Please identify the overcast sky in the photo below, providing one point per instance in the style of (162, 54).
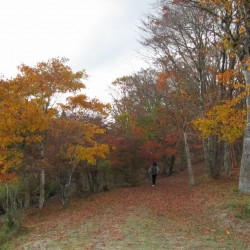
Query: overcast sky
(100, 36)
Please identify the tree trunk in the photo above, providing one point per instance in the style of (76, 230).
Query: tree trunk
(189, 163)
(13, 218)
(80, 183)
(172, 160)
(168, 165)
(41, 188)
(89, 180)
(215, 156)
(227, 160)
(2, 209)
(205, 150)
(105, 185)
(64, 194)
(244, 181)
(42, 179)
(182, 158)
(94, 175)
(164, 165)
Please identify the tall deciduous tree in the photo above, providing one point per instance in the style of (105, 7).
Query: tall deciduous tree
(180, 108)
(234, 19)
(28, 103)
(188, 40)
(134, 103)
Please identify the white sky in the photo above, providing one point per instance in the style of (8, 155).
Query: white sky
(100, 36)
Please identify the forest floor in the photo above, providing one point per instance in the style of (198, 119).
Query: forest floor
(171, 215)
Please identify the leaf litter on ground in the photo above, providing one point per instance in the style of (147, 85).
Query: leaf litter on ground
(171, 215)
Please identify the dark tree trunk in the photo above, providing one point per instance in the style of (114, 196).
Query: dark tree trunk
(171, 165)
(215, 156)
(94, 177)
(2, 209)
(227, 160)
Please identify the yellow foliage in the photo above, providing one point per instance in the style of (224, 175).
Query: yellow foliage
(78, 140)
(224, 121)
(77, 153)
(242, 30)
(29, 108)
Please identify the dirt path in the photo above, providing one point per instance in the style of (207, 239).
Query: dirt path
(169, 216)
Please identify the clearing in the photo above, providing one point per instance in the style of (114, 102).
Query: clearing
(171, 215)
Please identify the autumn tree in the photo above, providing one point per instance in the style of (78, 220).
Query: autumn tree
(80, 145)
(30, 109)
(72, 142)
(233, 17)
(137, 119)
(22, 126)
(179, 108)
(181, 44)
(187, 40)
(47, 82)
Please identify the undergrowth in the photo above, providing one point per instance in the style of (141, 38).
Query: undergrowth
(240, 207)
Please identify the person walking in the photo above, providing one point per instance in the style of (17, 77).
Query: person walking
(153, 171)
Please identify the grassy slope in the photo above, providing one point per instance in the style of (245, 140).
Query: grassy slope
(171, 215)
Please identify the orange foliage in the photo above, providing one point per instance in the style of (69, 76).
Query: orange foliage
(226, 77)
(29, 108)
(162, 79)
(8, 177)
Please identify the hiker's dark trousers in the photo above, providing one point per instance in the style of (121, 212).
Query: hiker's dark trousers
(154, 178)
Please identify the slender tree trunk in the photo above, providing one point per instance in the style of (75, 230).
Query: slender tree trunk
(189, 163)
(244, 181)
(64, 194)
(205, 150)
(171, 165)
(41, 188)
(164, 165)
(89, 180)
(2, 209)
(65, 185)
(42, 179)
(227, 160)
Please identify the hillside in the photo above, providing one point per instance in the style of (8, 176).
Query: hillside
(172, 215)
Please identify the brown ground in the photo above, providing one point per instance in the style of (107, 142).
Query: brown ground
(171, 215)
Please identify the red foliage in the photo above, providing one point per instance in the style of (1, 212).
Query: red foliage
(170, 151)
(171, 139)
(152, 151)
(8, 177)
